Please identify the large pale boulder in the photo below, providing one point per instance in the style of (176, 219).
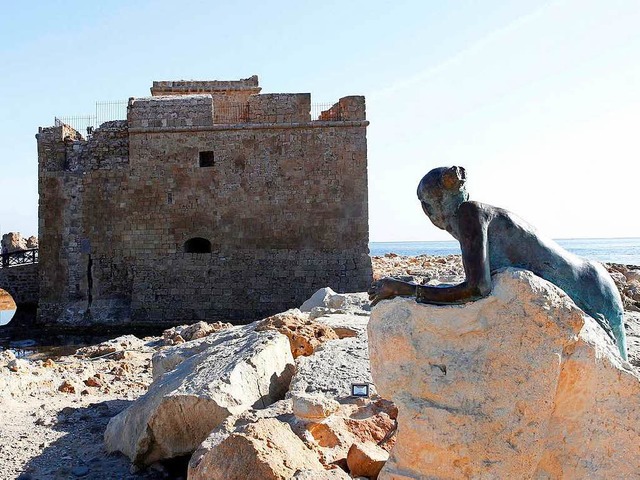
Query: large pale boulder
(169, 358)
(266, 449)
(520, 384)
(186, 403)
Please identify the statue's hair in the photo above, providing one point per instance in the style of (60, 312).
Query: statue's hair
(448, 178)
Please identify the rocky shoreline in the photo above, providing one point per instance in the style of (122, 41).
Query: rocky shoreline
(56, 410)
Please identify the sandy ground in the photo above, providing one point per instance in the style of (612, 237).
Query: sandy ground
(53, 411)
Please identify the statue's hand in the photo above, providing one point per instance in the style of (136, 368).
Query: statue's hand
(381, 290)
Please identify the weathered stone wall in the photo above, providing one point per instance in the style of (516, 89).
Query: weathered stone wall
(280, 108)
(21, 282)
(223, 87)
(169, 111)
(347, 108)
(284, 206)
(65, 162)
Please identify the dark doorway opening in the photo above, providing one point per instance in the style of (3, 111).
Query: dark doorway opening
(197, 245)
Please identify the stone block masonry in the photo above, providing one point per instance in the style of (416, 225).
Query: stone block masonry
(210, 202)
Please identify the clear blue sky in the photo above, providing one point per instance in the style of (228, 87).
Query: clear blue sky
(540, 101)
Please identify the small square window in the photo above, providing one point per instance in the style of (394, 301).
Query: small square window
(206, 159)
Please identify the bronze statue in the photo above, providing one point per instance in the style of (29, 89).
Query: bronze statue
(492, 238)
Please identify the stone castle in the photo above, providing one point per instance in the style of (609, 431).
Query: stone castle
(211, 201)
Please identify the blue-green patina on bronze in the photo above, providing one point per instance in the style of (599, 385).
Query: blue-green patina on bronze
(492, 238)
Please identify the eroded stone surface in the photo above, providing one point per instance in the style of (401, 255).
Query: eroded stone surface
(520, 384)
(337, 363)
(304, 334)
(186, 403)
(366, 460)
(266, 449)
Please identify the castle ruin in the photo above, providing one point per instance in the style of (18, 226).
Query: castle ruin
(211, 201)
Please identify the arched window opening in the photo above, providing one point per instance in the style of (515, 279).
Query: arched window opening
(7, 307)
(197, 245)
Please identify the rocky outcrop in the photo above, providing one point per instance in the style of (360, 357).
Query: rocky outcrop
(627, 279)
(186, 333)
(435, 270)
(14, 242)
(266, 449)
(230, 372)
(169, 358)
(304, 334)
(520, 384)
(420, 268)
(325, 301)
(337, 363)
(212, 395)
(366, 460)
(318, 410)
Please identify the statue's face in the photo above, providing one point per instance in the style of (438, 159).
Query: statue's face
(433, 209)
(441, 191)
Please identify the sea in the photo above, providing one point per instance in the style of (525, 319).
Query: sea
(610, 250)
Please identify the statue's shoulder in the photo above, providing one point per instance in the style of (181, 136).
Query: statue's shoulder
(473, 208)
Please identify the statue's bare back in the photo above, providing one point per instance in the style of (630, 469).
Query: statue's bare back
(492, 238)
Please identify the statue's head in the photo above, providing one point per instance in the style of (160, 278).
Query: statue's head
(441, 191)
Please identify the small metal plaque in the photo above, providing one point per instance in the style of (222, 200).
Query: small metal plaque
(359, 389)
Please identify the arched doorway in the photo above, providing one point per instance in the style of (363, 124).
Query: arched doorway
(7, 307)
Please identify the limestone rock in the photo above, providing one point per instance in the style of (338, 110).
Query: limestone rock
(185, 404)
(333, 474)
(329, 301)
(266, 449)
(627, 279)
(32, 242)
(318, 299)
(185, 333)
(67, 387)
(336, 364)
(124, 343)
(19, 365)
(366, 460)
(520, 384)
(632, 326)
(6, 357)
(313, 406)
(12, 242)
(169, 358)
(304, 335)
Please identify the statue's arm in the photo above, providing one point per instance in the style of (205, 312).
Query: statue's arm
(473, 221)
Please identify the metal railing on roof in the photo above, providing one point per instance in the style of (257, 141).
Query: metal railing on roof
(104, 112)
(223, 114)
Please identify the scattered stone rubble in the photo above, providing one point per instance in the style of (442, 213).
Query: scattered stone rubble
(427, 269)
(276, 393)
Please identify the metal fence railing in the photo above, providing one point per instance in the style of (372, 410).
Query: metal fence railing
(21, 257)
(104, 112)
(225, 113)
(327, 112)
